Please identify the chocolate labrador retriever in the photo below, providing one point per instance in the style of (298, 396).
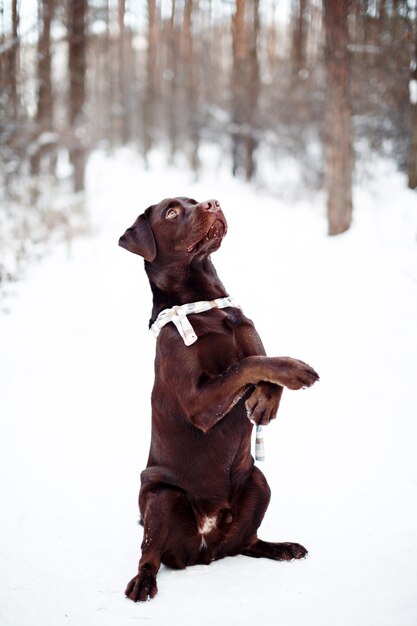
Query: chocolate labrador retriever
(201, 496)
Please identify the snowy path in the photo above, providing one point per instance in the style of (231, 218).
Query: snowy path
(75, 378)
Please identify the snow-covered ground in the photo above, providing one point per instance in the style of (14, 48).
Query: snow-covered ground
(76, 372)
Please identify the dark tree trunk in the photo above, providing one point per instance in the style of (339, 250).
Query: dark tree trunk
(172, 67)
(11, 55)
(13, 139)
(412, 154)
(338, 123)
(77, 41)
(412, 157)
(123, 64)
(299, 37)
(191, 85)
(245, 85)
(110, 83)
(45, 99)
(44, 112)
(15, 58)
(239, 57)
(151, 70)
(252, 88)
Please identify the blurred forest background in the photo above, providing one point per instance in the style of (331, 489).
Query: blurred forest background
(332, 85)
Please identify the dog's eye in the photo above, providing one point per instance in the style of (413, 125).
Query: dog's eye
(172, 213)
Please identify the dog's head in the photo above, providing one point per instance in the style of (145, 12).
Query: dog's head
(176, 229)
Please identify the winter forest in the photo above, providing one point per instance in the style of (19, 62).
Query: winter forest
(329, 85)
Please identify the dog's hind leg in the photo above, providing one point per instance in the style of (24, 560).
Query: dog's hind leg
(278, 551)
(248, 509)
(170, 536)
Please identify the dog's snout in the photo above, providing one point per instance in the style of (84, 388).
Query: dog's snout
(211, 205)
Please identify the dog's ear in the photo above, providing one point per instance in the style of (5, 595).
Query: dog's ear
(139, 239)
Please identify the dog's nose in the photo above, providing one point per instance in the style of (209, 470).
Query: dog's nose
(211, 205)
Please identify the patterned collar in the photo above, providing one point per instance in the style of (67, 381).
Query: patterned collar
(178, 315)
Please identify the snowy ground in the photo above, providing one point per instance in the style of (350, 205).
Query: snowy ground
(75, 377)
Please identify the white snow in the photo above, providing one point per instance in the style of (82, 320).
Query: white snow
(413, 91)
(76, 373)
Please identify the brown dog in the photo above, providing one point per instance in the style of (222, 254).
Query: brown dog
(201, 496)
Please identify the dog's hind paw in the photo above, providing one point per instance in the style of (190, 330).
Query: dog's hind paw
(285, 551)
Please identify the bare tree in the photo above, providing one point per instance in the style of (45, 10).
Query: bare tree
(151, 78)
(9, 68)
(189, 62)
(77, 60)
(122, 58)
(338, 123)
(299, 36)
(412, 155)
(171, 76)
(44, 112)
(172, 80)
(245, 85)
(13, 58)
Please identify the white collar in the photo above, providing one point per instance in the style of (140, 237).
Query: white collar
(178, 315)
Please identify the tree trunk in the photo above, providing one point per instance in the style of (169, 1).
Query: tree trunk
(12, 64)
(299, 37)
(123, 59)
(191, 85)
(412, 157)
(77, 41)
(338, 123)
(150, 93)
(172, 77)
(44, 112)
(412, 154)
(239, 56)
(110, 83)
(252, 90)
(245, 85)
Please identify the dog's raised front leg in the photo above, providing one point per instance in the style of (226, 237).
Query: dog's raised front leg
(263, 403)
(223, 392)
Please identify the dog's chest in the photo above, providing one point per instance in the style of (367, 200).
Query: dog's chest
(207, 524)
(221, 347)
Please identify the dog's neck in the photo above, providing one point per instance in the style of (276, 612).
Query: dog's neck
(177, 284)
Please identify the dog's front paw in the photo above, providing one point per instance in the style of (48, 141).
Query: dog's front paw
(296, 374)
(262, 405)
(142, 587)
